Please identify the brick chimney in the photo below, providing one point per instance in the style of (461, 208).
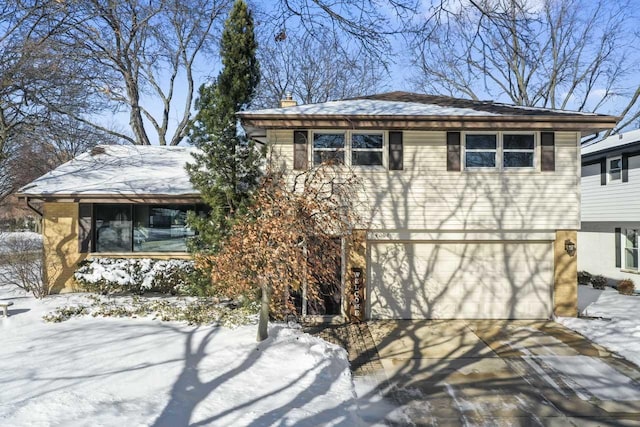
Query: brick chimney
(288, 101)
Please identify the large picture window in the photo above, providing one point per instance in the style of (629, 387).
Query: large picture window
(142, 228)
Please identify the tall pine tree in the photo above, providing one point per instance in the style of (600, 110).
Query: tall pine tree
(228, 169)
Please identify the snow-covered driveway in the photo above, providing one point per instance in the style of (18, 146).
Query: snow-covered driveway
(138, 372)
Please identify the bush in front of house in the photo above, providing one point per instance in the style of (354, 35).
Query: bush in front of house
(134, 275)
(598, 282)
(626, 287)
(584, 277)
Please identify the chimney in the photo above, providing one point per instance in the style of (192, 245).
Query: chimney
(288, 101)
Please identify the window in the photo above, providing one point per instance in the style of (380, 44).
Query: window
(631, 249)
(161, 228)
(517, 150)
(614, 166)
(480, 150)
(113, 228)
(328, 148)
(142, 228)
(366, 149)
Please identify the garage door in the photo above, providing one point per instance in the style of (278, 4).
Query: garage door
(480, 280)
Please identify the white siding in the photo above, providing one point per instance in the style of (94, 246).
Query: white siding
(425, 196)
(616, 201)
(597, 249)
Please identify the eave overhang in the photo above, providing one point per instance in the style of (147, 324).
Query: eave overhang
(113, 198)
(586, 124)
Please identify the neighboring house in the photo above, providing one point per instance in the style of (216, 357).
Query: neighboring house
(471, 208)
(610, 214)
(114, 201)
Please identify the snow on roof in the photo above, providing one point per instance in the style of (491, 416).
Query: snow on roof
(119, 170)
(410, 104)
(614, 141)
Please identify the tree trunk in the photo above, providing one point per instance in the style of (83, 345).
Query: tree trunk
(263, 324)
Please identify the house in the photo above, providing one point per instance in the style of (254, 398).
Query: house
(113, 201)
(610, 218)
(471, 208)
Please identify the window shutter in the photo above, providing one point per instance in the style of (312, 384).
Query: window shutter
(625, 168)
(396, 151)
(603, 171)
(547, 151)
(84, 227)
(453, 151)
(300, 149)
(618, 249)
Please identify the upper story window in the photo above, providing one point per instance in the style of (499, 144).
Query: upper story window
(349, 148)
(518, 150)
(614, 166)
(481, 151)
(500, 150)
(328, 148)
(366, 149)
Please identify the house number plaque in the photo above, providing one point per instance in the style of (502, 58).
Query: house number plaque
(357, 295)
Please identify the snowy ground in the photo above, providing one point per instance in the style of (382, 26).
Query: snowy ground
(140, 372)
(619, 330)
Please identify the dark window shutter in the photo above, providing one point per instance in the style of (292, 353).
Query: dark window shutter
(547, 151)
(625, 168)
(300, 149)
(618, 249)
(84, 227)
(396, 151)
(453, 151)
(603, 171)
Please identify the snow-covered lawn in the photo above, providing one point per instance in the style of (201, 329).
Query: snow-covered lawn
(141, 372)
(620, 334)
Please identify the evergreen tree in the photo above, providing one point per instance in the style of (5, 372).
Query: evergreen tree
(227, 171)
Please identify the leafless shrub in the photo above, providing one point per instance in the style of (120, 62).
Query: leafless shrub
(21, 264)
(626, 287)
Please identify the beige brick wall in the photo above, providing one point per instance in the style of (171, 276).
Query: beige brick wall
(60, 239)
(565, 290)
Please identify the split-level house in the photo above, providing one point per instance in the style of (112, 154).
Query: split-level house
(469, 209)
(610, 214)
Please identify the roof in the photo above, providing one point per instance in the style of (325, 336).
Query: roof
(412, 111)
(614, 142)
(120, 170)
(412, 104)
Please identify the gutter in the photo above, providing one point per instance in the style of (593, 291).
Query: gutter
(33, 208)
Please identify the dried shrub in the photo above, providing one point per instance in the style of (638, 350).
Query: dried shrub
(626, 287)
(21, 264)
(584, 277)
(598, 282)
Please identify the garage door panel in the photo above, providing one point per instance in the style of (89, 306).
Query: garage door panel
(460, 280)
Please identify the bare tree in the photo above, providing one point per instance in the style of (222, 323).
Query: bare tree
(138, 57)
(314, 69)
(556, 54)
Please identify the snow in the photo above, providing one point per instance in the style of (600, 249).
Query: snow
(141, 372)
(375, 107)
(614, 141)
(620, 334)
(119, 170)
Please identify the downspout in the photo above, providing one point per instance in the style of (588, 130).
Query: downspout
(33, 208)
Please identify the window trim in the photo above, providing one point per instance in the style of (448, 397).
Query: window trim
(500, 151)
(624, 249)
(609, 179)
(348, 149)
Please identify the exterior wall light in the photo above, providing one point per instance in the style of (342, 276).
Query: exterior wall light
(570, 247)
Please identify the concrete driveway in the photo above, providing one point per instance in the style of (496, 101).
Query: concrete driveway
(493, 373)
